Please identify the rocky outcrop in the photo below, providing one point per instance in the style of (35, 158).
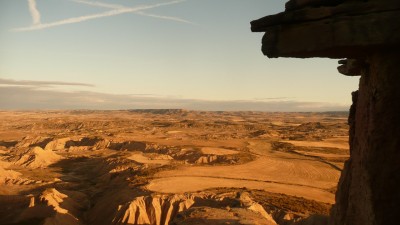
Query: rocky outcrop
(206, 159)
(193, 209)
(368, 34)
(368, 189)
(336, 29)
(77, 143)
(221, 211)
(52, 207)
(248, 203)
(12, 177)
(154, 210)
(57, 144)
(30, 141)
(128, 146)
(85, 141)
(35, 157)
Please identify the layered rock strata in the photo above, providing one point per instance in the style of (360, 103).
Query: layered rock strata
(158, 210)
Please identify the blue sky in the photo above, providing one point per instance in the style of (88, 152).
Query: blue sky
(112, 54)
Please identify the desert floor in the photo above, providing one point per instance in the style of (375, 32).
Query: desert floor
(169, 167)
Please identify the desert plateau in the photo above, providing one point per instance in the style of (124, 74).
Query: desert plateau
(169, 166)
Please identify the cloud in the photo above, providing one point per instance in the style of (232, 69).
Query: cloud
(31, 97)
(114, 6)
(93, 16)
(274, 98)
(32, 83)
(34, 12)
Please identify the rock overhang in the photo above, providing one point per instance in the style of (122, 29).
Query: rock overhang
(332, 29)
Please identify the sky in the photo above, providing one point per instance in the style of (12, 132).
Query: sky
(124, 54)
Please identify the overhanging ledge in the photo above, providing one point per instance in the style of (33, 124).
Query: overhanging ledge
(346, 29)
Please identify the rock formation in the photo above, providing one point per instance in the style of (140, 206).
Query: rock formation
(34, 157)
(51, 207)
(368, 34)
(8, 175)
(157, 210)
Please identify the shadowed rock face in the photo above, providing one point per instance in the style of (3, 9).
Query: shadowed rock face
(368, 189)
(367, 32)
(335, 29)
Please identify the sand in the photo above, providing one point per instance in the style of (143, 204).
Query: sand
(340, 142)
(275, 172)
(189, 184)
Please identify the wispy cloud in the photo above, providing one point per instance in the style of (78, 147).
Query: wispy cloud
(114, 6)
(31, 95)
(34, 12)
(32, 83)
(274, 98)
(94, 16)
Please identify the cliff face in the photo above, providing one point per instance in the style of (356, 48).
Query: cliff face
(368, 190)
(367, 32)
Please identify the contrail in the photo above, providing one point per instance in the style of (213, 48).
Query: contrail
(100, 4)
(177, 19)
(114, 6)
(34, 12)
(93, 16)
